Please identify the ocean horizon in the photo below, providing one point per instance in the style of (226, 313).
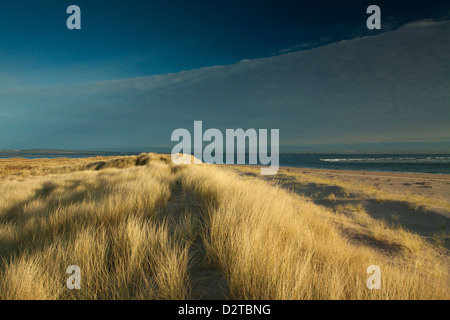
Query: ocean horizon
(404, 163)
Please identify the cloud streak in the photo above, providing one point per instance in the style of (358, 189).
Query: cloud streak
(392, 87)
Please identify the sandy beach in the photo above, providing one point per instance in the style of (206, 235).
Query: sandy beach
(433, 186)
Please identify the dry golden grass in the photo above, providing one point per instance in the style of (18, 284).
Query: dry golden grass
(102, 221)
(131, 223)
(273, 245)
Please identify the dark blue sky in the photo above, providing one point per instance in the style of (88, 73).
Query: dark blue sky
(124, 39)
(274, 64)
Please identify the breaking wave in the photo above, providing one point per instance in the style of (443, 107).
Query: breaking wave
(397, 160)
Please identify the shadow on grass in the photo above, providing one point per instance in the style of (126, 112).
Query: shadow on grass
(419, 220)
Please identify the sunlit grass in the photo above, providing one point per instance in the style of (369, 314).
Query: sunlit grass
(129, 224)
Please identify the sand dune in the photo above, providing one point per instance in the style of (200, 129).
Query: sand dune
(140, 227)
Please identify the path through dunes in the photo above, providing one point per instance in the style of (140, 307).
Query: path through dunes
(142, 228)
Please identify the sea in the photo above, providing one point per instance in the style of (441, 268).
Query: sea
(407, 163)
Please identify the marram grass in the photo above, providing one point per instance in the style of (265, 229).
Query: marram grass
(132, 223)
